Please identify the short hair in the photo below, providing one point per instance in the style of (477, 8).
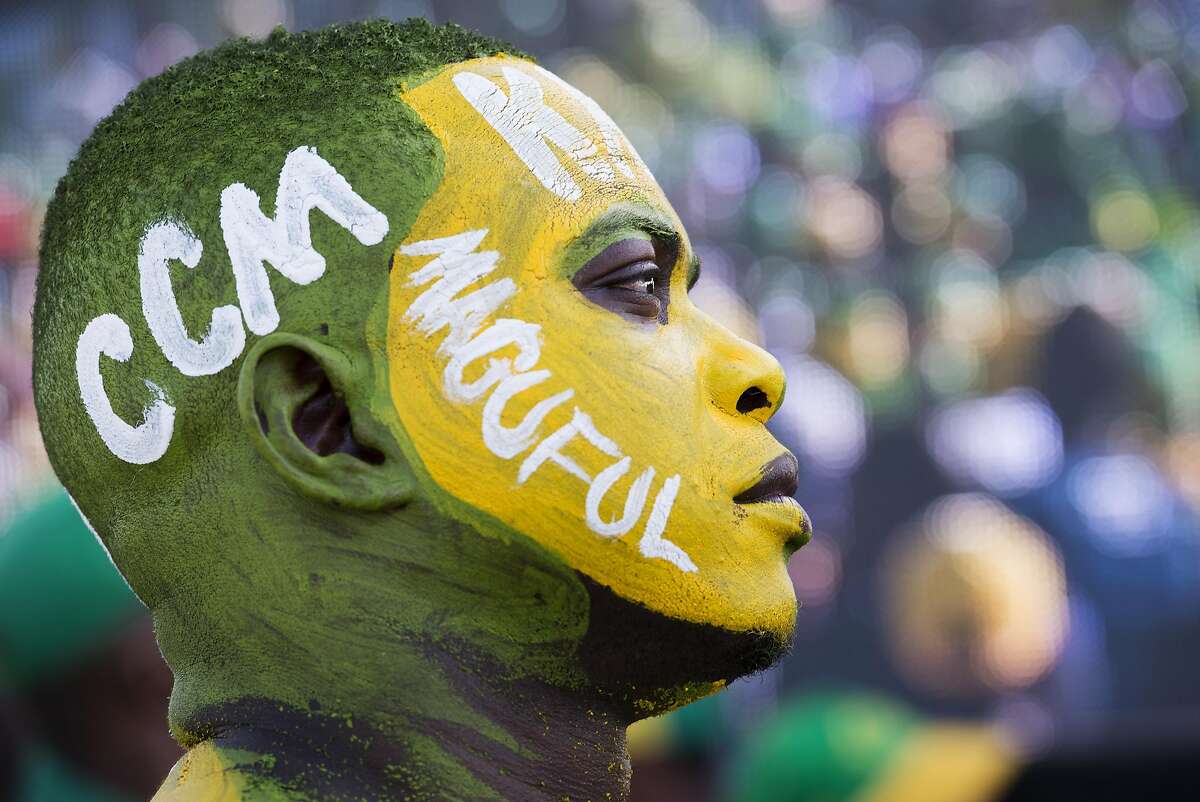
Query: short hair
(232, 115)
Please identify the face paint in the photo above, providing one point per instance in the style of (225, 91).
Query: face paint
(226, 338)
(306, 182)
(613, 439)
(108, 335)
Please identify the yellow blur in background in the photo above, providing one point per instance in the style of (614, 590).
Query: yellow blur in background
(969, 232)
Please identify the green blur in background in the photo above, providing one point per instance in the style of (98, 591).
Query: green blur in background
(971, 234)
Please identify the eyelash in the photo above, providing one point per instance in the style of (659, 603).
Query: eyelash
(630, 277)
(645, 285)
(642, 276)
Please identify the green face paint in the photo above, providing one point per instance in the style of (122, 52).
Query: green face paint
(357, 598)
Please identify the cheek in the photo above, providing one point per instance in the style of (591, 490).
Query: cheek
(640, 383)
(591, 434)
(642, 373)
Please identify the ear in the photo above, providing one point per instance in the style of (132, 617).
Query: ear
(307, 407)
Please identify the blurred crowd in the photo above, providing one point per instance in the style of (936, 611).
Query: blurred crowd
(971, 234)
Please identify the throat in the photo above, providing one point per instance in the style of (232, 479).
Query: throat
(527, 742)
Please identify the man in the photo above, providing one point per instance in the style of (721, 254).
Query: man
(429, 472)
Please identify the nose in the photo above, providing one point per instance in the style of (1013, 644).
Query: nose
(742, 379)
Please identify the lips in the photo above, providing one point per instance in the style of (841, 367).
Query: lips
(779, 481)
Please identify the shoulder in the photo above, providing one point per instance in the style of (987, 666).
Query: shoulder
(201, 776)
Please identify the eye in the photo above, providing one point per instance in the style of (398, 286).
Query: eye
(626, 278)
(645, 285)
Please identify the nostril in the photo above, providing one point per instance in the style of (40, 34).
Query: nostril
(753, 398)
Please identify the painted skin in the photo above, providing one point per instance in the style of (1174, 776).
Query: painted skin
(599, 263)
(672, 376)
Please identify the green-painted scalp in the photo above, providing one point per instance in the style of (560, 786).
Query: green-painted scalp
(228, 115)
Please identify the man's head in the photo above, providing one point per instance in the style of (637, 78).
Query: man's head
(432, 310)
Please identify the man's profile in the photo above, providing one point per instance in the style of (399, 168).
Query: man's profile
(368, 354)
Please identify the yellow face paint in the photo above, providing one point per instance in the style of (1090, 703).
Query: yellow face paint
(614, 441)
(204, 774)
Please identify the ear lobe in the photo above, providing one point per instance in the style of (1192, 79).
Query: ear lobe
(307, 408)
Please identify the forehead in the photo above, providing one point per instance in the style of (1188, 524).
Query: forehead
(525, 154)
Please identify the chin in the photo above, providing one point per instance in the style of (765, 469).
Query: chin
(652, 662)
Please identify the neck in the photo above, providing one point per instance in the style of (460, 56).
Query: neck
(520, 741)
(432, 663)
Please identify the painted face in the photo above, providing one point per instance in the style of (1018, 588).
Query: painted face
(552, 375)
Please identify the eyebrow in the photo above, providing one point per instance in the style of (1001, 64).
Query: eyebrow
(646, 219)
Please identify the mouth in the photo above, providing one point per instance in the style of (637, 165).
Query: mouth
(780, 479)
(774, 492)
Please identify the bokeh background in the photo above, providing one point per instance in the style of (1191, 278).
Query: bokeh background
(969, 230)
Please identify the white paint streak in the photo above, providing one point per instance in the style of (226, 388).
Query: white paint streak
(109, 336)
(455, 268)
(529, 127)
(506, 442)
(503, 333)
(608, 129)
(653, 544)
(226, 338)
(550, 449)
(634, 502)
(306, 182)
